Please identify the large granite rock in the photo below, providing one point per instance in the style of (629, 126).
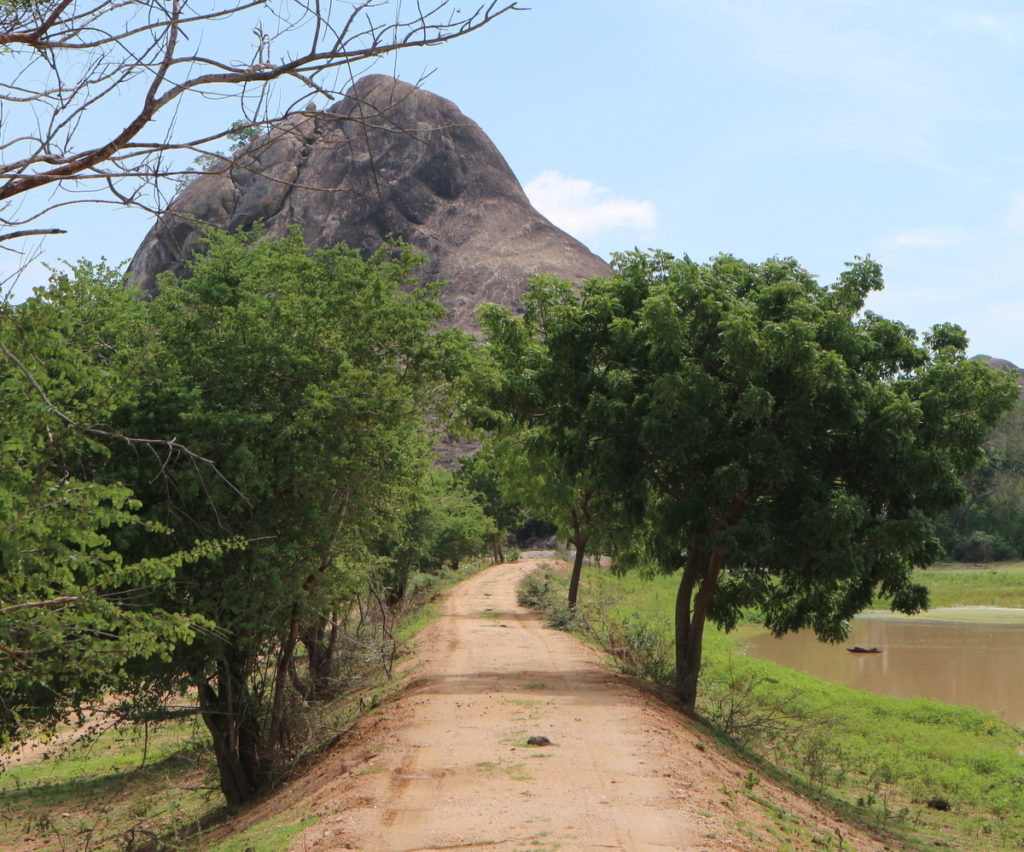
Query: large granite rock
(1004, 366)
(388, 159)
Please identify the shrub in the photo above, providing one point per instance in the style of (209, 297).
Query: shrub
(534, 591)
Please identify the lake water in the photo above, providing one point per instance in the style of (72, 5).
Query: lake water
(974, 664)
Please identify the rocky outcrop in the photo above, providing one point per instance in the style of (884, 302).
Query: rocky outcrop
(1004, 366)
(387, 159)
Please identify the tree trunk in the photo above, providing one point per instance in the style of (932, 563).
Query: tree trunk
(701, 571)
(580, 520)
(580, 543)
(399, 583)
(320, 640)
(278, 726)
(226, 712)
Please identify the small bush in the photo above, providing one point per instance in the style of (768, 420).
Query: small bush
(641, 650)
(561, 617)
(747, 705)
(535, 591)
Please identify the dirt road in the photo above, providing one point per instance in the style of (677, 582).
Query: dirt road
(448, 766)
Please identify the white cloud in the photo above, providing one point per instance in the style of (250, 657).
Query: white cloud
(924, 238)
(583, 208)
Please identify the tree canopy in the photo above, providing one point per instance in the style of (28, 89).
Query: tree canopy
(70, 619)
(300, 390)
(989, 525)
(537, 443)
(762, 434)
(308, 377)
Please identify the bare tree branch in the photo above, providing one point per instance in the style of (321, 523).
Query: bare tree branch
(31, 232)
(67, 65)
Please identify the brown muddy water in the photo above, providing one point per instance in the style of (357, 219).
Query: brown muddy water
(974, 664)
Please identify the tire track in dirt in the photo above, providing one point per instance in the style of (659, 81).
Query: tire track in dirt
(447, 766)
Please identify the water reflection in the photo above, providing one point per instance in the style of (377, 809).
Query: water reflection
(975, 664)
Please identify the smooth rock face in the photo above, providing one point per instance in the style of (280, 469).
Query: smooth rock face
(388, 159)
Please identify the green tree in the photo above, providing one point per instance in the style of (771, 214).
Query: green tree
(765, 436)
(542, 430)
(442, 524)
(482, 476)
(989, 524)
(69, 620)
(241, 135)
(540, 484)
(306, 377)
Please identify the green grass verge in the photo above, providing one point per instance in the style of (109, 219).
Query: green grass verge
(270, 835)
(875, 759)
(963, 584)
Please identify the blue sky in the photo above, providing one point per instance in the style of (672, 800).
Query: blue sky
(818, 129)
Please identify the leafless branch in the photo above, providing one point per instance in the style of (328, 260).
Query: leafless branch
(31, 232)
(66, 66)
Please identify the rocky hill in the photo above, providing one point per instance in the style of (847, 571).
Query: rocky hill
(1003, 365)
(387, 159)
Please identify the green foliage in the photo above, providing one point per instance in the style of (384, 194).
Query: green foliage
(990, 524)
(242, 133)
(484, 475)
(441, 524)
(70, 620)
(545, 458)
(756, 429)
(643, 650)
(535, 591)
(306, 378)
(298, 389)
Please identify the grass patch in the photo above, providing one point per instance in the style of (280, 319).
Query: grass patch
(517, 772)
(953, 614)
(270, 835)
(970, 584)
(877, 760)
(123, 784)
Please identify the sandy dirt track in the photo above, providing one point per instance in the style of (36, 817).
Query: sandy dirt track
(447, 765)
